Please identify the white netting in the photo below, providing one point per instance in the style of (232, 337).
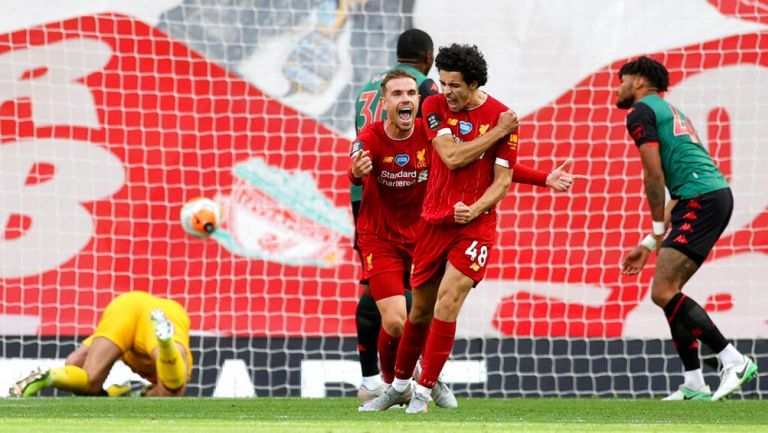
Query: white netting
(112, 117)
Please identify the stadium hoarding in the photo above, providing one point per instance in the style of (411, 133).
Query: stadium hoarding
(327, 367)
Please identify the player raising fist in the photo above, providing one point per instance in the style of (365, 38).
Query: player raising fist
(473, 162)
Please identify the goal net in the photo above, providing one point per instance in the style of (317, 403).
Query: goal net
(112, 118)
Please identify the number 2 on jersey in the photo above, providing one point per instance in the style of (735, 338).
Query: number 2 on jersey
(473, 253)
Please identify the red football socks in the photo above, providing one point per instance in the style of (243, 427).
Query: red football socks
(409, 350)
(387, 353)
(437, 351)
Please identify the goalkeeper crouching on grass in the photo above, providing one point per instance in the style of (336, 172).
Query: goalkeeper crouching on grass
(150, 335)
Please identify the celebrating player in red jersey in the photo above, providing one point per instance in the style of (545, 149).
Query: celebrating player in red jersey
(391, 158)
(459, 227)
(415, 56)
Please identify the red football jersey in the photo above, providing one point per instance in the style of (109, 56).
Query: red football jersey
(394, 190)
(466, 184)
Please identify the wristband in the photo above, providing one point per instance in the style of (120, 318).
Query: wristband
(659, 228)
(531, 176)
(649, 242)
(443, 131)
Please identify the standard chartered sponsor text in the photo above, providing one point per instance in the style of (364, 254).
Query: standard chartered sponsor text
(400, 179)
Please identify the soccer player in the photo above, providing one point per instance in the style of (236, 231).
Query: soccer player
(700, 208)
(391, 156)
(390, 160)
(150, 334)
(459, 222)
(415, 56)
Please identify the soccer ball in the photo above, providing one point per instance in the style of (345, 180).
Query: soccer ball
(200, 217)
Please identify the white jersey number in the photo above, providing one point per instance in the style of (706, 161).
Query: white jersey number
(473, 253)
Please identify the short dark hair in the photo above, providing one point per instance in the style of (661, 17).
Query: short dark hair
(466, 59)
(413, 45)
(394, 74)
(652, 70)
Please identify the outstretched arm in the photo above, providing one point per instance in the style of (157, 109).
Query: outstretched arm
(559, 179)
(502, 179)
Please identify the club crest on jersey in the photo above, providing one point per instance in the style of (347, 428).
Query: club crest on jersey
(421, 158)
(402, 159)
(465, 127)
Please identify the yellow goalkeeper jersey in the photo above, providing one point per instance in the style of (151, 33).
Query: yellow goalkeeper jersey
(126, 322)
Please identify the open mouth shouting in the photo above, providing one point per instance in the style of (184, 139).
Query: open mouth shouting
(405, 114)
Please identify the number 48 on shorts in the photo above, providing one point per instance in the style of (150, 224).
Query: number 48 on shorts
(467, 248)
(477, 255)
(474, 258)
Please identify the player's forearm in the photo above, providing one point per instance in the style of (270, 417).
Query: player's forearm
(650, 241)
(653, 178)
(456, 155)
(654, 191)
(468, 152)
(493, 194)
(528, 175)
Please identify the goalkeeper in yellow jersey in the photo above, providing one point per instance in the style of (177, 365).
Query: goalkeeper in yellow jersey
(150, 335)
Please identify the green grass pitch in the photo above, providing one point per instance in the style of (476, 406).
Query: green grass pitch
(43, 415)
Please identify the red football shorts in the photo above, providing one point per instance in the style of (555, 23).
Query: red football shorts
(466, 247)
(380, 256)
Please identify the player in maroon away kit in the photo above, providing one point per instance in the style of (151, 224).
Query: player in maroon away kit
(459, 222)
(699, 211)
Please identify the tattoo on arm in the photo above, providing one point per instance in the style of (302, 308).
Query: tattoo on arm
(653, 178)
(654, 190)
